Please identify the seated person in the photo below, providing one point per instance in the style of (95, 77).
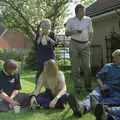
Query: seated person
(10, 87)
(55, 95)
(108, 92)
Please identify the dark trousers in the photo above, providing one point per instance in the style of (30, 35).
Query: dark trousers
(45, 98)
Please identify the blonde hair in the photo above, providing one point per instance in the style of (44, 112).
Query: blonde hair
(50, 69)
(116, 53)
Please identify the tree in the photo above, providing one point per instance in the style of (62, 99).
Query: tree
(26, 15)
(87, 2)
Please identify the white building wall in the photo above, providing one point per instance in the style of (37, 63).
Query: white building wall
(103, 27)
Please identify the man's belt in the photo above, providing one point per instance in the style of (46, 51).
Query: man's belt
(81, 42)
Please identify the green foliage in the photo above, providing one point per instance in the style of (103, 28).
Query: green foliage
(30, 60)
(63, 62)
(87, 2)
(1, 51)
(1, 64)
(19, 65)
(27, 14)
(12, 54)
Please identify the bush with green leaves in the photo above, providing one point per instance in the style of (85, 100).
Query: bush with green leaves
(1, 64)
(12, 54)
(30, 59)
(64, 62)
(1, 51)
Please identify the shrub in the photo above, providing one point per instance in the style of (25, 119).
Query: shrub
(63, 62)
(1, 64)
(30, 60)
(19, 65)
(1, 51)
(12, 54)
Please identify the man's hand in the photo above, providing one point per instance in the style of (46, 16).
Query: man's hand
(53, 103)
(89, 43)
(79, 31)
(76, 32)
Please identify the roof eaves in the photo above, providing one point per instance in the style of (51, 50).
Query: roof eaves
(104, 11)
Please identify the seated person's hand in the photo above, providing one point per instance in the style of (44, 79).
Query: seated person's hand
(52, 103)
(13, 103)
(33, 102)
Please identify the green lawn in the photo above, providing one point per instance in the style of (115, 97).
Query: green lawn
(27, 79)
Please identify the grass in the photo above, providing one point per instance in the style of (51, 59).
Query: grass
(27, 82)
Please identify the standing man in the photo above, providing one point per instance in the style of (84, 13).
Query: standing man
(79, 28)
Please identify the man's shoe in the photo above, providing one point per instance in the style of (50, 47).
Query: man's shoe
(74, 105)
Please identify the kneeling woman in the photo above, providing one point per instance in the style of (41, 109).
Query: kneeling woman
(55, 95)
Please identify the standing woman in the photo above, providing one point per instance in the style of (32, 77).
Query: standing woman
(45, 43)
